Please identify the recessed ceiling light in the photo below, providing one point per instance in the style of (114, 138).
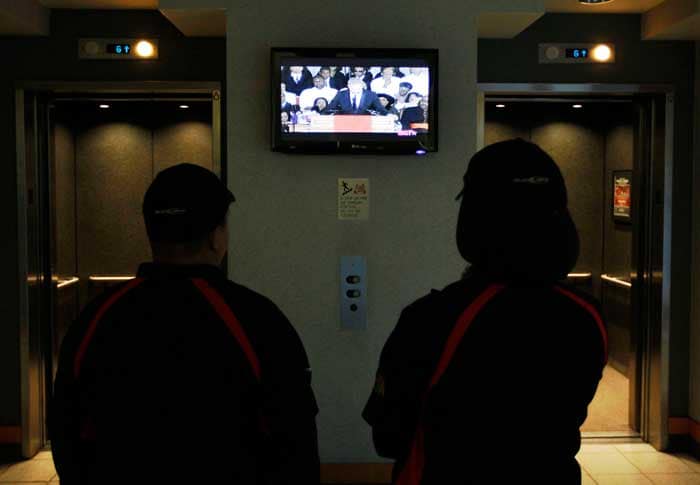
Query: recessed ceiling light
(184, 106)
(145, 49)
(500, 106)
(593, 2)
(104, 106)
(578, 106)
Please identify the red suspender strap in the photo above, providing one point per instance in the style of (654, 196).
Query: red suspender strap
(225, 313)
(412, 471)
(594, 313)
(87, 338)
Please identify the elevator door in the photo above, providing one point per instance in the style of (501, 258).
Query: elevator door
(34, 132)
(86, 165)
(612, 152)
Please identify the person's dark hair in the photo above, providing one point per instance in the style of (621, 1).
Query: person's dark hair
(413, 93)
(390, 99)
(315, 108)
(513, 220)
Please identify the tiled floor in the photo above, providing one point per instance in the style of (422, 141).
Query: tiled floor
(633, 464)
(628, 464)
(609, 410)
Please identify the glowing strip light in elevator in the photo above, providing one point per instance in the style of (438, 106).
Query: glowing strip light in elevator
(68, 282)
(111, 278)
(580, 275)
(577, 106)
(500, 106)
(184, 106)
(593, 2)
(616, 281)
(104, 106)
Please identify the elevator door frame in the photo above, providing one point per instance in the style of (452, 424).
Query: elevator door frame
(655, 346)
(34, 414)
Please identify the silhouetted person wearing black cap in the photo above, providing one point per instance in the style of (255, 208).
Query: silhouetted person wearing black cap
(180, 375)
(490, 379)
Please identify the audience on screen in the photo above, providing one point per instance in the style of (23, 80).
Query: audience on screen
(388, 103)
(308, 96)
(320, 105)
(333, 77)
(334, 90)
(388, 83)
(297, 79)
(418, 115)
(419, 79)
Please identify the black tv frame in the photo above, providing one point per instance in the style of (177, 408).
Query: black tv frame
(357, 143)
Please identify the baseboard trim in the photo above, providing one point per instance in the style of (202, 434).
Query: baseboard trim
(10, 435)
(688, 428)
(347, 473)
(684, 426)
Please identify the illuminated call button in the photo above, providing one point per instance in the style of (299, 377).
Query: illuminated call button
(353, 280)
(353, 293)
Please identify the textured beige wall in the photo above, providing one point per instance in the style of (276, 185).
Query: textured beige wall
(64, 209)
(286, 239)
(117, 154)
(114, 169)
(183, 136)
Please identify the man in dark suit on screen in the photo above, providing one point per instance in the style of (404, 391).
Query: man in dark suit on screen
(297, 79)
(356, 100)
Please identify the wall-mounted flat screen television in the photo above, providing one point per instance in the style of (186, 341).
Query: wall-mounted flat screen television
(354, 100)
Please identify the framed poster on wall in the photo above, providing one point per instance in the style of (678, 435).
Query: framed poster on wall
(622, 196)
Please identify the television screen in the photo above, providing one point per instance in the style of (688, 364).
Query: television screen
(354, 100)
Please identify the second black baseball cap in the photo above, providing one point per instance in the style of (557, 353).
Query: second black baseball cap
(184, 203)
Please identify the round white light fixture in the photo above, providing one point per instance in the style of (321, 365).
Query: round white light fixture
(577, 106)
(602, 53)
(593, 2)
(501, 106)
(184, 106)
(145, 49)
(104, 106)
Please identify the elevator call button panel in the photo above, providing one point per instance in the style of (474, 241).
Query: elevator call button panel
(353, 293)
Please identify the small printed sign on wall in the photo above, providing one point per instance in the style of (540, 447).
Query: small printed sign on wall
(353, 199)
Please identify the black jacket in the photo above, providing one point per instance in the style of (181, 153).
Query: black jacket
(164, 391)
(306, 81)
(524, 373)
(412, 115)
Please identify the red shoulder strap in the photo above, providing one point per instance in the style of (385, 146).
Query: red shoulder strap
(87, 338)
(412, 471)
(224, 311)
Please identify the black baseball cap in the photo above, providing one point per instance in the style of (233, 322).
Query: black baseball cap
(514, 222)
(184, 203)
(516, 174)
